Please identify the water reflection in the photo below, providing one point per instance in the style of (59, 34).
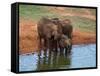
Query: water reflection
(81, 56)
(48, 59)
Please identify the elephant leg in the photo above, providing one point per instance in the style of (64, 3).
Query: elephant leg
(66, 50)
(51, 45)
(69, 48)
(56, 46)
(45, 44)
(61, 50)
(40, 43)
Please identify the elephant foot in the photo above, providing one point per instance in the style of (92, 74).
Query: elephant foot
(67, 51)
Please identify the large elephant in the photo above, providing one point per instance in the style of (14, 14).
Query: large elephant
(65, 26)
(65, 38)
(48, 32)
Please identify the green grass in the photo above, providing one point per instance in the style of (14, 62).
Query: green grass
(36, 12)
(83, 24)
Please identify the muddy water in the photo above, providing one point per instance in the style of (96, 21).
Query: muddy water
(81, 56)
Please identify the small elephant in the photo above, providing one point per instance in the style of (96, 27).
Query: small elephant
(65, 42)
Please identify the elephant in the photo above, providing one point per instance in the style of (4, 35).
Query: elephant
(55, 33)
(65, 42)
(65, 38)
(47, 31)
(64, 25)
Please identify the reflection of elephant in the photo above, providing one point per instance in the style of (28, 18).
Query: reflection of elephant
(47, 31)
(53, 60)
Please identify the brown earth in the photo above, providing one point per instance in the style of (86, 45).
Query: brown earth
(29, 41)
(28, 36)
(80, 37)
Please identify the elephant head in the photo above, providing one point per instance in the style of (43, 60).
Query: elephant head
(64, 26)
(64, 42)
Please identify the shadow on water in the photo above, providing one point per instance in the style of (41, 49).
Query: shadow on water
(49, 59)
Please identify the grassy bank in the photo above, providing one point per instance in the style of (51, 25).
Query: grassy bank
(36, 12)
